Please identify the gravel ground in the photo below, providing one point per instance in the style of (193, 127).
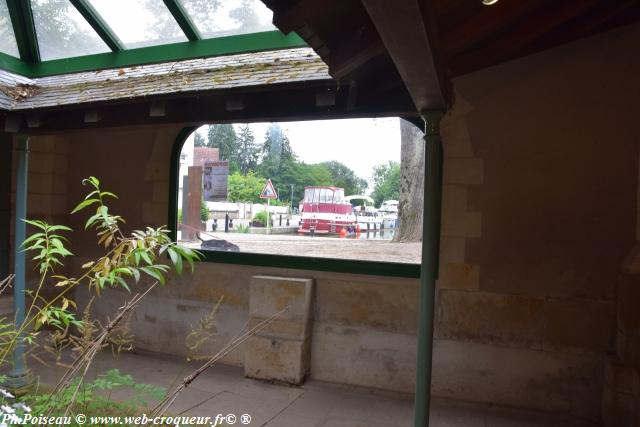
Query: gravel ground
(318, 246)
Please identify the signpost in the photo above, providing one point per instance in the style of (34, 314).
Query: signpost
(268, 192)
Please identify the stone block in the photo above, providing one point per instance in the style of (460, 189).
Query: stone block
(491, 318)
(454, 197)
(455, 138)
(461, 224)
(617, 408)
(388, 306)
(628, 303)
(628, 347)
(468, 171)
(285, 329)
(520, 377)
(452, 249)
(281, 350)
(459, 276)
(364, 356)
(270, 295)
(617, 375)
(580, 323)
(277, 359)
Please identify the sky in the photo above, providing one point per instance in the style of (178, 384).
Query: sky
(360, 144)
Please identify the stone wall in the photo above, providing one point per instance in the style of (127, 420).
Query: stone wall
(539, 214)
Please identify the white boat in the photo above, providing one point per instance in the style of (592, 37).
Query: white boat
(368, 217)
(389, 211)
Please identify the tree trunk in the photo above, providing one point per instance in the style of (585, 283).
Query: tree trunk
(411, 183)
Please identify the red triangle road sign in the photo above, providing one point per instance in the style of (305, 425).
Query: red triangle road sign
(268, 191)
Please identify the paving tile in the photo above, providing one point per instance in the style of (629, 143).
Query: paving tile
(293, 421)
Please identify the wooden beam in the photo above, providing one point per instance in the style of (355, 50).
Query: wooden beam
(352, 56)
(485, 24)
(407, 30)
(515, 43)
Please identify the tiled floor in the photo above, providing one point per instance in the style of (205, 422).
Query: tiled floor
(224, 390)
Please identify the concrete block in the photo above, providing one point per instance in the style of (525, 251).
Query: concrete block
(274, 359)
(580, 323)
(468, 171)
(459, 276)
(491, 318)
(269, 295)
(462, 224)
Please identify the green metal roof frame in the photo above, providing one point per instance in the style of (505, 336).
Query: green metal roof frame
(98, 24)
(30, 65)
(183, 19)
(24, 30)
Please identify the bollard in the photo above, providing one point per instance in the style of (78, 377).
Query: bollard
(226, 223)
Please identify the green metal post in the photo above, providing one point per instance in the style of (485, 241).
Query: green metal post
(429, 266)
(19, 375)
(6, 149)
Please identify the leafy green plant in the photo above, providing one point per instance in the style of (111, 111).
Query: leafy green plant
(127, 260)
(96, 394)
(261, 217)
(204, 211)
(243, 228)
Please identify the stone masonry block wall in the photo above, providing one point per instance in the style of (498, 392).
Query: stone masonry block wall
(538, 217)
(539, 214)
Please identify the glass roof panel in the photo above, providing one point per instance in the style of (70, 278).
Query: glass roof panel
(140, 23)
(62, 32)
(217, 18)
(7, 37)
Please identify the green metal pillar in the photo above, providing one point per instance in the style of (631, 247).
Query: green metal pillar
(19, 375)
(6, 150)
(429, 267)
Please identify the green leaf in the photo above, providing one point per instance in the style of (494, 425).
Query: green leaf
(91, 220)
(36, 223)
(84, 204)
(153, 272)
(176, 259)
(108, 193)
(136, 274)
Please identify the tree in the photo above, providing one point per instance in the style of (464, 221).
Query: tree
(246, 17)
(247, 150)
(224, 138)
(198, 140)
(60, 34)
(411, 183)
(344, 177)
(245, 188)
(386, 179)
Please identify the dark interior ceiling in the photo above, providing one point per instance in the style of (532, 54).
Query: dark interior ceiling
(468, 36)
